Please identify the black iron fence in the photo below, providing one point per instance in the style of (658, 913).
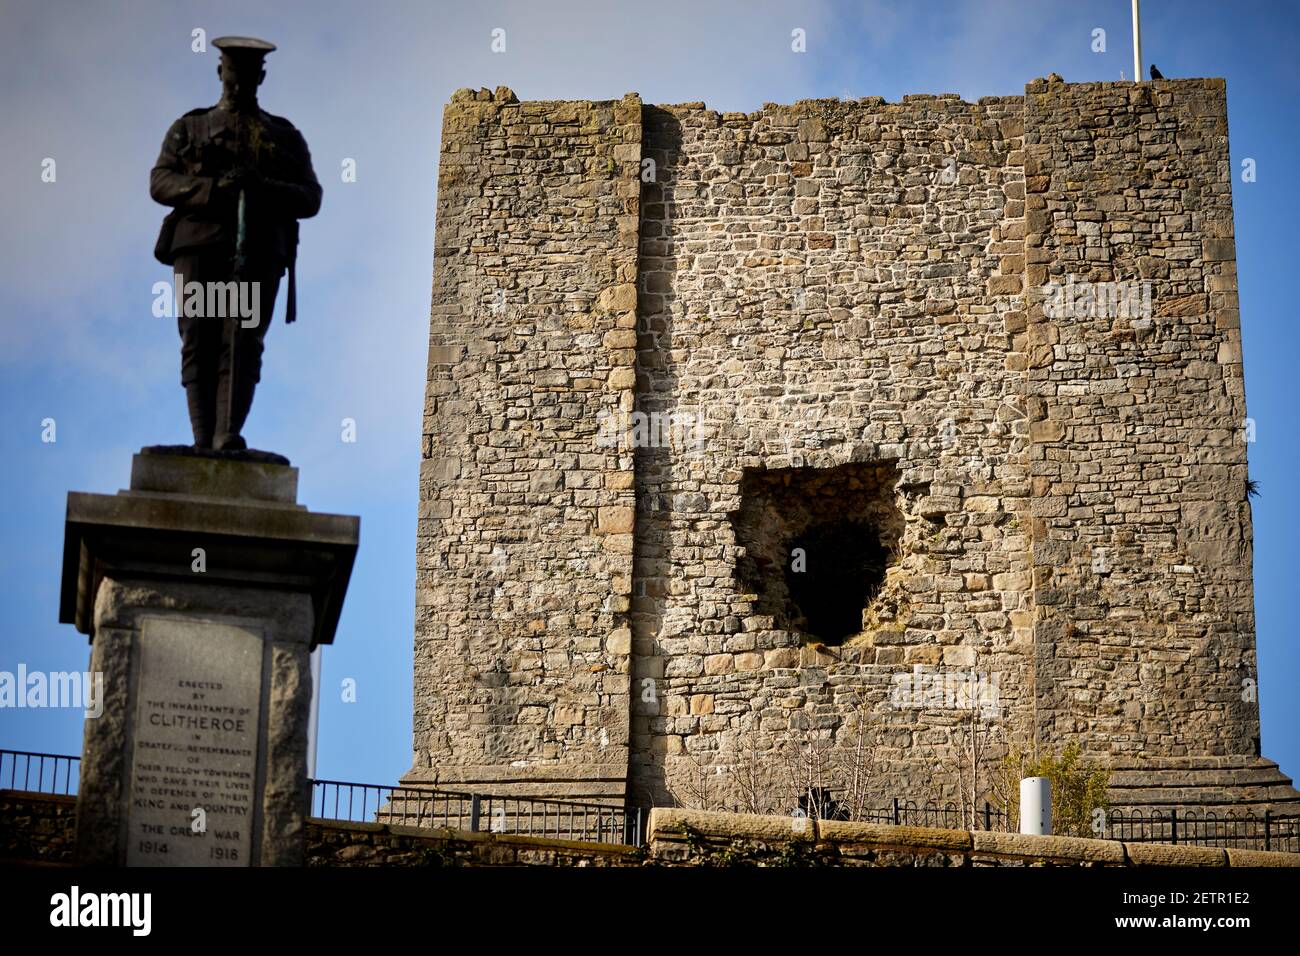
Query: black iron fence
(907, 813)
(39, 773)
(1244, 830)
(526, 816)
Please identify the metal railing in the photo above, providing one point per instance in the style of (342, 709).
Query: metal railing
(1243, 830)
(930, 814)
(478, 812)
(902, 812)
(39, 773)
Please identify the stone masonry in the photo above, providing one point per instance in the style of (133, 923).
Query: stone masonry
(672, 349)
(524, 555)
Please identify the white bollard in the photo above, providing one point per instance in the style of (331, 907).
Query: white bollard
(1036, 806)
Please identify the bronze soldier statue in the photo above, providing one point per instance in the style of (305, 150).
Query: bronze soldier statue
(238, 179)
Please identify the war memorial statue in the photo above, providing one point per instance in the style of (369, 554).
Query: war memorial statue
(238, 179)
(205, 586)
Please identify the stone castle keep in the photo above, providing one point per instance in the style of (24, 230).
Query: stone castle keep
(842, 310)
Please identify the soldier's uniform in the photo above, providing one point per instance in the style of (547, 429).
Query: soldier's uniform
(198, 240)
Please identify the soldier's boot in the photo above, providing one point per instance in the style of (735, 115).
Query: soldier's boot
(229, 426)
(203, 413)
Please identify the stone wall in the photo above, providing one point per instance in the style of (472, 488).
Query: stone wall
(335, 843)
(37, 827)
(524, 554)
(1142, 533)
(820, 293)
(694, 838)
(839, 317)
(698, 838)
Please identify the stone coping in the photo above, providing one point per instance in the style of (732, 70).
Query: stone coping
(673, 826)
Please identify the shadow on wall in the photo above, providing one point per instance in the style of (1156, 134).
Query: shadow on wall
(657, 392)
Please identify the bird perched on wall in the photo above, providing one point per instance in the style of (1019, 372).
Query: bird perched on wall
(1156, 74)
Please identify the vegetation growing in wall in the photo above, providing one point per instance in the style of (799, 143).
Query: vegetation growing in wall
(968, 767)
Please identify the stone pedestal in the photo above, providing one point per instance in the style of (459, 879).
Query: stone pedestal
(203, 588)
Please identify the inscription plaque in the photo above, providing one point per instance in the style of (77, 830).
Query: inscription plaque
(194, 747)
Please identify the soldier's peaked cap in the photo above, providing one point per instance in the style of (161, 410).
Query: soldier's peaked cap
(243, 46)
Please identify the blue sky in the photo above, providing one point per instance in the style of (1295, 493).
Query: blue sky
(95, 86)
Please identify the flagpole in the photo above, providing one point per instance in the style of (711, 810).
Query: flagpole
(1137, 43)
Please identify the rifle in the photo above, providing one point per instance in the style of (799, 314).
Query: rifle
(241, 265)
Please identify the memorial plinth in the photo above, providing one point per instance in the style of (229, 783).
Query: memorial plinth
(203, 589)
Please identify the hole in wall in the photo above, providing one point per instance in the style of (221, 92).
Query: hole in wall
(817, 543)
